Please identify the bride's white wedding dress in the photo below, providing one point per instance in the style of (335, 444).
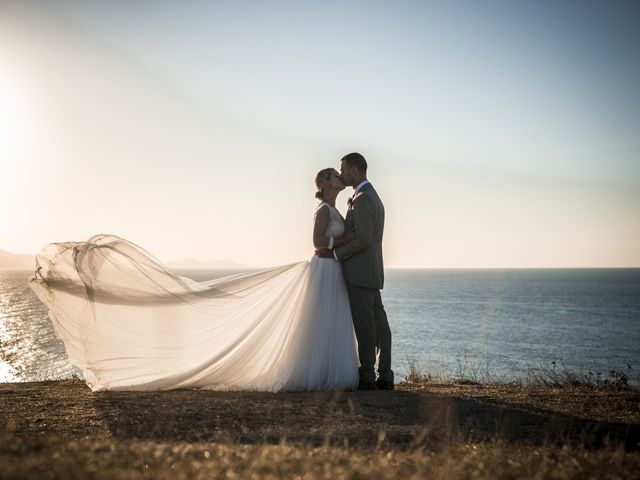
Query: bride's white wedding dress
(129, 323)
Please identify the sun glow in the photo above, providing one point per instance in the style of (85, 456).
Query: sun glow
(113, 120)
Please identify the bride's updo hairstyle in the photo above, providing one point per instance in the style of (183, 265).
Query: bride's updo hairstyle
(321, 177)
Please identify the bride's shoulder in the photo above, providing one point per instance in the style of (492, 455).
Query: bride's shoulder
(323, 204)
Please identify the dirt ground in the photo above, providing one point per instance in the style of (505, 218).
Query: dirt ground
(61, 429)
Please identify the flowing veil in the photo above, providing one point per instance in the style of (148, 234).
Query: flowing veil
(130, 323)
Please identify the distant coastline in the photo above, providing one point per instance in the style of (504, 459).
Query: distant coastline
(12, 261)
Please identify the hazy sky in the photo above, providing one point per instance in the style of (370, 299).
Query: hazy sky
(498, 134)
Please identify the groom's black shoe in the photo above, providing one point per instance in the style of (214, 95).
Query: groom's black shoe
(366, 386)
(384, 385)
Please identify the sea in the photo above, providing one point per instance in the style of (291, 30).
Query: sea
(450, 323)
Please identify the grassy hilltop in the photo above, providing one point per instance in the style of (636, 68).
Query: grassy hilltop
(423, 429)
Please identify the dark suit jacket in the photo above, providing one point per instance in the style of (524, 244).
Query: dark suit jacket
(362, 258)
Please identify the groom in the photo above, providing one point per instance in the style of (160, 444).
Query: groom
(364, 273)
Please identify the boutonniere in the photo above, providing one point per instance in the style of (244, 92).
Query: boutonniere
(350, 203)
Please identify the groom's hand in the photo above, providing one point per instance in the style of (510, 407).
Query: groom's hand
(350, 236)
(324, 253)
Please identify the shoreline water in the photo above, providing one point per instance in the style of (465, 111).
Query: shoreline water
(506, 324)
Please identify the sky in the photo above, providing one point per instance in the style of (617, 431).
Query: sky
(498, 134)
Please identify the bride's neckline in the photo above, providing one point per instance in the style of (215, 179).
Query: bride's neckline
(326, 203)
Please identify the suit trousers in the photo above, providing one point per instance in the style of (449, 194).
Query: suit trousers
(372, 332)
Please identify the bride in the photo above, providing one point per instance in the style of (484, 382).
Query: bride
(129, 323)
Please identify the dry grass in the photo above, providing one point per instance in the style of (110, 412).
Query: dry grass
(108, 459)
(422, 430)
(545, 375)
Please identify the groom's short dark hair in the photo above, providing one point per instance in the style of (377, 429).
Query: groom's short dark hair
(356, 160)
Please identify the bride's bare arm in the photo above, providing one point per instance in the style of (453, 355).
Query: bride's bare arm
(320, 228)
